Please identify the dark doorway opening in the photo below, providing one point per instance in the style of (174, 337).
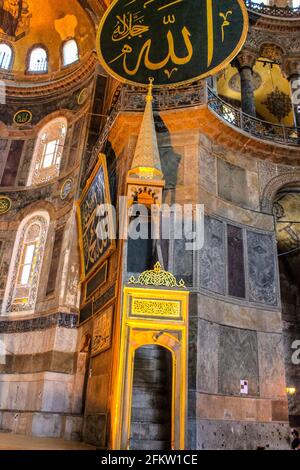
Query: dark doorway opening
(151, 412)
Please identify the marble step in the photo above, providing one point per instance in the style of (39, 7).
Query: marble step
(146, 398)
(150, 431)
(149, 377)
(150, 415)
(136, 444)
(151, 352)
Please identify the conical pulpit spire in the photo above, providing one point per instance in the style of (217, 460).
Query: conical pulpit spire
(146, 163)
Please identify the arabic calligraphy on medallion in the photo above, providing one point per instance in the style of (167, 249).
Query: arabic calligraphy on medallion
(173, 41)
(95, 220)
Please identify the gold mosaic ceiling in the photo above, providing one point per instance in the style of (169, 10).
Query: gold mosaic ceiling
(25, 23)
(272, 91)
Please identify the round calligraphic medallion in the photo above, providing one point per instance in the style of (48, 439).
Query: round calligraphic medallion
(172, 41)
(5, 204)
(23, 117)
(66, 188)
(82, 97)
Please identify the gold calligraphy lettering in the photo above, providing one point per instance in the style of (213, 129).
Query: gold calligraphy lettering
(147, 3)
(169, 4)
(125, 27)
(169, 72)
(225, 22)
(169, 19)
(157, 65)
(210, 32)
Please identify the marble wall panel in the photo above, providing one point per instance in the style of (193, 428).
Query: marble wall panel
(271, 365)
(183, 262)
(207, 357)
(57, 396)
(232, 182)
(208, 172)
(212, 257)
(236, 265)
(261, 268)
(238, 360)
(225, 312)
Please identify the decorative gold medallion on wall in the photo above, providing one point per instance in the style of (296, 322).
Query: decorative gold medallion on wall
(66, 189)
(5, 204)
(23, 117)
(82, 97)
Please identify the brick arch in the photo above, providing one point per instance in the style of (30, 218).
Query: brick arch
(272, 188)
(60, 113)
(36, 207)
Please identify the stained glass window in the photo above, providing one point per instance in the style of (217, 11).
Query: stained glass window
(48, 152)
(26, 263)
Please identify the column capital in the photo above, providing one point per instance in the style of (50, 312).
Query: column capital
(291, 67)
(245, 59)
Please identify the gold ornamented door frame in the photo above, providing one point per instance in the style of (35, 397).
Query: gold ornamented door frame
(152, 316)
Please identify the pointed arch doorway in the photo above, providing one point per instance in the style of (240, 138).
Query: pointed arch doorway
(154, 337)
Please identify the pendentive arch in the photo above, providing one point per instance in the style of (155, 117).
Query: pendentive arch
(272, 188)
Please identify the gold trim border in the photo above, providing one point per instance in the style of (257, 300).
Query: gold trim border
(85, 276)
(68, 180)
(211, 72)
(123, 376)
(23, 111)
(81, 94)
(10, 204)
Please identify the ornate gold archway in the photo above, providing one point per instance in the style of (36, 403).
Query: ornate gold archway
(152, 315)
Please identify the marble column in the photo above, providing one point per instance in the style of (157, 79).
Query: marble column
(292, 72)
(244, 62)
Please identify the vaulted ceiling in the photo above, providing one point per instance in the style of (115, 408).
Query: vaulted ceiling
(26, 23)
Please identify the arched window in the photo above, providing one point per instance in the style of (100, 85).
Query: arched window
(70, 52)
(38, 60)
(6, 55)
(27, 259)
(48, 152)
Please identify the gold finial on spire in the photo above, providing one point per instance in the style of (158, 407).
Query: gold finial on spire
(149, 96)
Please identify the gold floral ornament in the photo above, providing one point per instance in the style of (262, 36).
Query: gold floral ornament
(5, 205)
(157, 277)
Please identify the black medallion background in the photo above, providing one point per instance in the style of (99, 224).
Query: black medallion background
(129, 25)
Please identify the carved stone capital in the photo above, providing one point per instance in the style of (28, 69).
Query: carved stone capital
(245, 59)
(291, 67)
